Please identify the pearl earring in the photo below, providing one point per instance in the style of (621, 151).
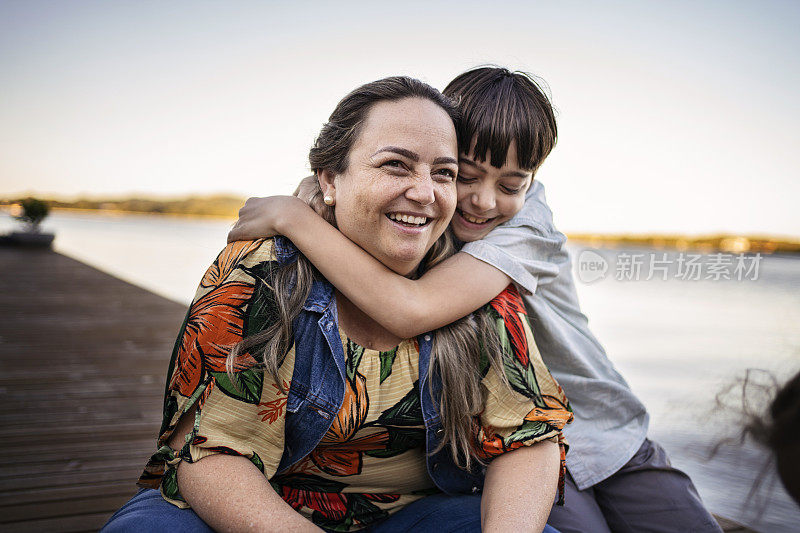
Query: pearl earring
(328, 200)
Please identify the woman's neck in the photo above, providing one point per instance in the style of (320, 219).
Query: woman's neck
(361, 328)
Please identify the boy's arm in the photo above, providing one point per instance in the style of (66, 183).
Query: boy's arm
(451, 290)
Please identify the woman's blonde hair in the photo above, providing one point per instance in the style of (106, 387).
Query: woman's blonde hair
(457, 348)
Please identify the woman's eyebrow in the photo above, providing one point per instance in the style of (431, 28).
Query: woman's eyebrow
(400, 151)
(415, 156)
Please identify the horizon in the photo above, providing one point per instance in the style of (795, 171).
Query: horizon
(575, 236)
(672, 117)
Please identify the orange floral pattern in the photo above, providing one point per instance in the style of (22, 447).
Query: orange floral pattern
(340, 452)
(227, 261)
(214, 325)
(274, 408)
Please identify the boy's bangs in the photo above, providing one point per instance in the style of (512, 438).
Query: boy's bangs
(493, 127)
(499, 107)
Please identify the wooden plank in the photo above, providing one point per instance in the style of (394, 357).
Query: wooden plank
(70, 492)
(80, 431)
(83, 358)
(93, 464)
(69, 478)
(74, 451)
(68, 449)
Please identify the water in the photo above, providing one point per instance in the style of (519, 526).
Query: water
(678, 343)
(166, 255)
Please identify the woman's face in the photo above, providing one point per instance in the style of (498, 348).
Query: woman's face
(398, 193)
(487, 195)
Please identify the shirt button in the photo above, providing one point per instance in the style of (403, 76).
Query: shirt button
(435, 466)
(474, 490)
(440, 433)
(427, 338)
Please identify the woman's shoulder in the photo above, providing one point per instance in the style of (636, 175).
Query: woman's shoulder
(248, 253)
(238, 256)
(525, 372)
(508, 304)
(512, 325)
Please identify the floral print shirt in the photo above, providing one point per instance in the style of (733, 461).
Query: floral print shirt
(372, 460)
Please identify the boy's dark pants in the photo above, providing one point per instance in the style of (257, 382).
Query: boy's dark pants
(646, 495)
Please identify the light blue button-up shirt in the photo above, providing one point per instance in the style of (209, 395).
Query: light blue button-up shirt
(610, 421)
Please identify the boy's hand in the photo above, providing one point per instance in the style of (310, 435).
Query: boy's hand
(262, 217)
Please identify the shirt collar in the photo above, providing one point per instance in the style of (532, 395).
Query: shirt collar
(321, 293)
(285, 250)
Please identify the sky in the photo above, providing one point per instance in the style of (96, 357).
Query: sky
(673, 116)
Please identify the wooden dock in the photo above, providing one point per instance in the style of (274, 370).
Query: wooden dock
(83, 356)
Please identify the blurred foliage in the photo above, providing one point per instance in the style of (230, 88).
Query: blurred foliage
(34, 211)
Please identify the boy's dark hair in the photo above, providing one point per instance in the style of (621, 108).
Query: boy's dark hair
(499, 106)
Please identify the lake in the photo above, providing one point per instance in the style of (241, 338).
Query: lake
(679, 342)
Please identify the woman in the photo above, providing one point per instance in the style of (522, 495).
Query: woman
(618, 480)
(348, 423)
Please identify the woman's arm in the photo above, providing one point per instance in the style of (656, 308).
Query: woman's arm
(227, 491)
(520, 488)
(451, 290)
(230, 494)
(521, 428)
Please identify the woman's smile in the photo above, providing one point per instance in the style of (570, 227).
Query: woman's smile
(410, 223)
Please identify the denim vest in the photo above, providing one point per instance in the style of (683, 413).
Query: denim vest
(318, 383)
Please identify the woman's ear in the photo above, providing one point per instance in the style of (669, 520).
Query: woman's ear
(327, 182)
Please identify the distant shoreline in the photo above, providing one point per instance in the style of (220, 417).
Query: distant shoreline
(113, 212)
(709, 243)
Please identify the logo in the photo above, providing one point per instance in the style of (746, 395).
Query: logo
(591, 266)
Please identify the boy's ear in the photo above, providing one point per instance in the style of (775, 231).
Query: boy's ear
(327, 182)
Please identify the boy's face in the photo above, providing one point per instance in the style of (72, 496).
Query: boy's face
(487, 195)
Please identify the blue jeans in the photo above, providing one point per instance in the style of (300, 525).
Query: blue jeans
(147, 511)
